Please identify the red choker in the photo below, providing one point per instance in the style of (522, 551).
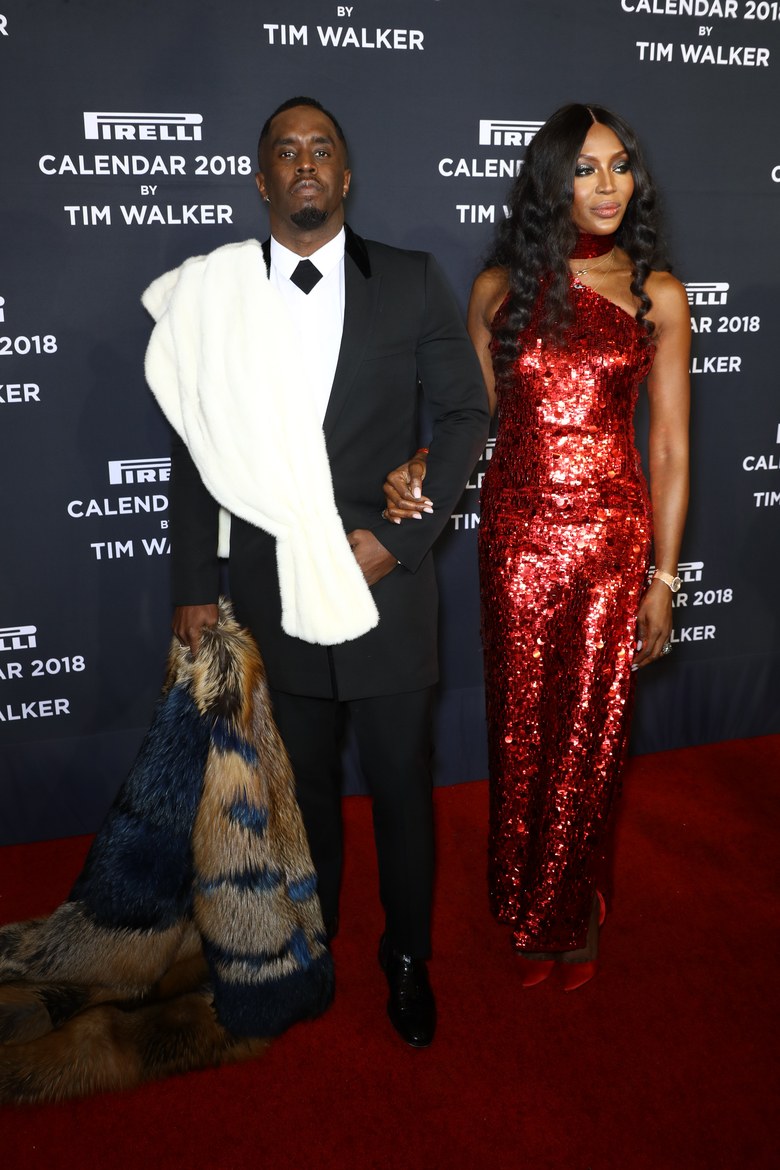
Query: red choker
(588, 247)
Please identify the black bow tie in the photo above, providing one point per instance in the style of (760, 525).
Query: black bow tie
(306, 276)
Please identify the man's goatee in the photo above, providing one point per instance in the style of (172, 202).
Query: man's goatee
(309, 218)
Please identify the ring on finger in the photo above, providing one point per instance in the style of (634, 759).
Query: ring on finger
(666, 648)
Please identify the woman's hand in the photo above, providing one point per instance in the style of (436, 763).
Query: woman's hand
(653, 624)
(403, 490)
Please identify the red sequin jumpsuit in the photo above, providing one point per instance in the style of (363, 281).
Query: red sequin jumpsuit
(564, 545)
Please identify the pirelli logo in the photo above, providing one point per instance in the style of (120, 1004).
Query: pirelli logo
(707, 292)
(495, 132)
(690, 571)
(18, 638)
(136, 127)
(139, 470)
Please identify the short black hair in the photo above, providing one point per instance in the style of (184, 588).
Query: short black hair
(289, 105)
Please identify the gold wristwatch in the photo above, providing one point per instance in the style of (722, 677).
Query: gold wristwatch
(674, 583)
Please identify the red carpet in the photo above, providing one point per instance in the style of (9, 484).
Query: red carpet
(665, 1062)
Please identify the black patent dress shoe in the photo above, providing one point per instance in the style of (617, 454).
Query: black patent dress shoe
(411, 1006)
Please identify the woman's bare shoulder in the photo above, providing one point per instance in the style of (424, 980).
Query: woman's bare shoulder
(666, 290)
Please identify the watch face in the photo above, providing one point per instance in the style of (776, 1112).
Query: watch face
(675, 586)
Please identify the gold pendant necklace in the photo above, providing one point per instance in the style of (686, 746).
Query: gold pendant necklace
(578, 272)
(584, 271)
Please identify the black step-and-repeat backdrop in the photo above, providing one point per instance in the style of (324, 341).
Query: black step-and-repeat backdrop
(128, 140)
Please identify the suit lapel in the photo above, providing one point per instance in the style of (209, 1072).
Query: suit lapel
(361, 293)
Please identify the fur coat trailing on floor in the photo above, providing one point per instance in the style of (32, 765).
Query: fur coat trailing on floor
(193, 933)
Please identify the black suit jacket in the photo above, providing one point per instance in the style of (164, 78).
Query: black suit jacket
(402, 331)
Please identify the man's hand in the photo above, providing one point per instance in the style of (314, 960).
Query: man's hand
(189, 620)
(403, 491)
(374, 559)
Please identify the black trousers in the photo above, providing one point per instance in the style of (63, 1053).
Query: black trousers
(393, 734)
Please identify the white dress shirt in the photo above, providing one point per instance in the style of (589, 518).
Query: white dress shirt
(318, 316)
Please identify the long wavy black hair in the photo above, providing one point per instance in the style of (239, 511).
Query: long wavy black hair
(538, 236)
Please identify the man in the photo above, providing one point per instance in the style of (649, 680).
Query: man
(372, 324)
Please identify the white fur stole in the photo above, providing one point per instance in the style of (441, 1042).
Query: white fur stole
(221, 363)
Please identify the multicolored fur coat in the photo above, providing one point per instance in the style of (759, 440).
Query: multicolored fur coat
(193, 932)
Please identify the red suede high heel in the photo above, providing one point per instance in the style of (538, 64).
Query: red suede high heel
(536, 971)
(574, 975)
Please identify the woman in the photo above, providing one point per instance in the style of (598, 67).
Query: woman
(572, 312)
